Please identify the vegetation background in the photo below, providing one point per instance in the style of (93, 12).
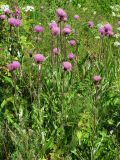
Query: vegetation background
(61, 127)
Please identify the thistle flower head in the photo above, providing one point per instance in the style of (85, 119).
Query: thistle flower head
(39, 58)
(71, 56)
(66, 31)
(2, 17)
(72, 42)
(14, 22)
(55, 51)
(38, 29)
(67, 66)
(90, 24)
(96, 78)
(13, 66)
(61, 14)
(55, 31)
(76, 17)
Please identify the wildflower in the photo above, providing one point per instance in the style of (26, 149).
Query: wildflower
(17, 12)
(116, 44)
(2, 17)
(97, 79)
(61, 14)
(29, 8)
(94, 13)
(4, 8)
(72, 42)
(6, 11)
(110, 33)
(55, 31)
(118, 23)
(90, 24)
(13, 66)
(67, 66)
(107, 27)
(71, 56)
(79, 5)
(38, 29)
(65, 19)
(55, 51)
(14, 22)
(39, 58)
(66, 31)
(68, 26)
(102, 31)
(76, 17)
(53, 24)
(117, 35)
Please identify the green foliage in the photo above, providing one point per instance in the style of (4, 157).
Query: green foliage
(49, 114)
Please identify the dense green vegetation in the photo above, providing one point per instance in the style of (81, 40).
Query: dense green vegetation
(50, 110)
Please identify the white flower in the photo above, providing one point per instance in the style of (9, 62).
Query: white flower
(84, 9)
(118, 16)
(29, 8)
(116, 44)
(97, 37)
(118, 28)
(113, 14)
(94, 13)
(99, 25)
(79, 5)
(117, 35)
(4, 7)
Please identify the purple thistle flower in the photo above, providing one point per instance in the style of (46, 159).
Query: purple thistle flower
(14, 22)
(39, 58)
(76, 17)
(10, 67)
(96, 79)
(118, 23)
(55, 51)
(67, 66)
(18, 23)
(55, 31)
(65, 19)
(17, 12)
(13, 66)
(7, 11)
(90, 24)
(38, 29)
(68, 26)
(53, 24)
(2, 17)
(110, 33)
(71, 56)
(67, 31)
(72, 42)
(61, 14)
(107, 27)
(102, 31)
(16, 65)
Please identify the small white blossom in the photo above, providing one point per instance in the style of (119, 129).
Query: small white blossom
(94, 13)
(116, 44)
(29, 8)
(84, 9)
(117, 35)
(118, 28)
(4, 7)
(97, 37)
(99, 25)
(113, 14)
(79, 5)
